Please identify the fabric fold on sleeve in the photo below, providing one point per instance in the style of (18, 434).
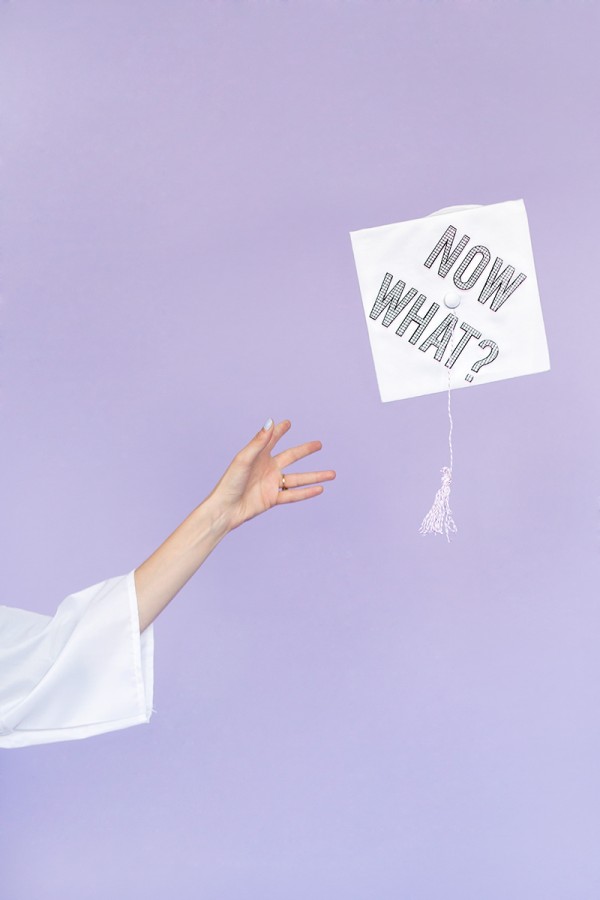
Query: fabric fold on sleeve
(84, 671)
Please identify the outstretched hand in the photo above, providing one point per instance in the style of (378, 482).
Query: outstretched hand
(251, 485)
(253, 481)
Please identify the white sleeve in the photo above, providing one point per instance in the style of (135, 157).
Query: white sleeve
(83, 671)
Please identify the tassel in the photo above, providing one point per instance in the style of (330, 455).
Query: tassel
(439, 518)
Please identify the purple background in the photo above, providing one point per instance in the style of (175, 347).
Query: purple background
(345, 709)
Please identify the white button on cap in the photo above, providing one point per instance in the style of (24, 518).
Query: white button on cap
(452, 301)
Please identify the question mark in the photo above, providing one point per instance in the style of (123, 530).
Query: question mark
(486, 359)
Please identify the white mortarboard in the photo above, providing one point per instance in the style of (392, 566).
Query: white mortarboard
(463, 278)
(451, 301)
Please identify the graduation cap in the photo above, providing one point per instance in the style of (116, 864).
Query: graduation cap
(451, 301)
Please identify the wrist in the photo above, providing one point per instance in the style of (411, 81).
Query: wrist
(212, 516)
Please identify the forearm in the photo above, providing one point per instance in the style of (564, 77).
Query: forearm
(251, 484)
(164, 573)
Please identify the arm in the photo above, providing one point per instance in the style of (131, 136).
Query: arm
(86, 670)
(250, 486)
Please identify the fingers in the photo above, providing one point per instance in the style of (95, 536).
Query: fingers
(287, 457)
(278, 431)
(301, 479)
(304, 486)
(268, 435)
(267, 438)
(298, 494)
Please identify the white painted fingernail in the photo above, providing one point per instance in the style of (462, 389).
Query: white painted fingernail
(267, 424)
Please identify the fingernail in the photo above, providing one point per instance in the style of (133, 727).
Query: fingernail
(267, 424)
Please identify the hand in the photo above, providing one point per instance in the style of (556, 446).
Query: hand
(252, 483)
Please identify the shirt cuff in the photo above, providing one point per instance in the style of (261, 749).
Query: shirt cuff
(84, 671)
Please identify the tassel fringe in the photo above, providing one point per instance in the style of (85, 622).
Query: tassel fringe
(439, 518)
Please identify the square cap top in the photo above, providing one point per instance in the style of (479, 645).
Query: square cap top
(453, 295)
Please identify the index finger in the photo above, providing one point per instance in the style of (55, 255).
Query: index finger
(278, 431)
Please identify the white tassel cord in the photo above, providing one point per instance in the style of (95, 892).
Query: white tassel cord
(439, 518)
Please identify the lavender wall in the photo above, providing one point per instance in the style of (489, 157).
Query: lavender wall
(345, 709)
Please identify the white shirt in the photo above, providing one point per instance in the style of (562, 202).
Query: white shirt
(84, 671)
